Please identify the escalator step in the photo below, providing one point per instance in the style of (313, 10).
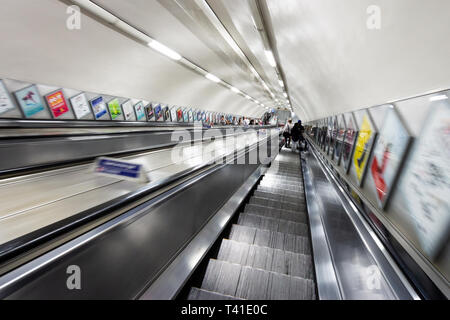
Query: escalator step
(276, 213)
(276, 204)
(283, 177)
(278, 225)
(271, 239)
(282, 287)
(266, 258)
(281, 181)
(221, 277)
(256, 284)
(280, 191)
(298, 188)
(243, 234)
(253, 284)
(201, 294)
(279, 197)
(234, 252)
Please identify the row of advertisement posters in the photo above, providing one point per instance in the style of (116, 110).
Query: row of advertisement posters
(389, 161)
(32, 104)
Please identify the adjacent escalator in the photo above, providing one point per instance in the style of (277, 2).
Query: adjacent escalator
(267, 255)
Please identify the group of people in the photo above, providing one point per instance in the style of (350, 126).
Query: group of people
(293, 134)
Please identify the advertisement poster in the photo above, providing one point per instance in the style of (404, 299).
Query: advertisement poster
(30, 101)
(339, 139)
(80, 105)
(114, 108)
(194, 115)
(167, 116)
(6, 103)
(150, 113)
(180, 115)
(128, 111)
(389, 151)
(363, 145)
(190, 115)
(349, 140)
(158, 113)
(98, 107)
(139, 110)
(185, 116)
(199, 116)
(334, 129)
(173, 114)
(425, 186)
(57, 103)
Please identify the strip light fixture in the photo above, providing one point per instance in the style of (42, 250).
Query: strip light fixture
(212, 77)
(157, 46)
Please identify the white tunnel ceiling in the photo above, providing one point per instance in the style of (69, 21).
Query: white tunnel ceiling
(334, 63)
(184, 27)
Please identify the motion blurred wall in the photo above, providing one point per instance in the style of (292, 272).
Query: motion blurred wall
(36, 46)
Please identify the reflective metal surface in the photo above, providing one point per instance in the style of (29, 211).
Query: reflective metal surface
(361, 268)
(167, 286)
(122, 257)
(327, 284)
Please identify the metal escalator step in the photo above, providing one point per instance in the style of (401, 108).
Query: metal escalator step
(260, 258)
(253, 284)
(221, 277)
(278, 225)
(296, 244)
(279, 197)
(269, 184)
(271, 239)
(283, 287)
(201, 294)
(285, 242)
(280, 173)
(233, 251)
(256, 284)
(276, 213)
(280, 191)
(290, 227)
(243, 234)
(276, 204)
(283, 177)
(282, 182)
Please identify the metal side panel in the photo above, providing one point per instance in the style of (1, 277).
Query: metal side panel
(175, 276)
(361, 267)
(25, 153)
(121, 258)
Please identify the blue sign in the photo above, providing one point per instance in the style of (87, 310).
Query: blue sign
(120, 168)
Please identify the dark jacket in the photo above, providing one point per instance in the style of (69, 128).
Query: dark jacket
(295, 133)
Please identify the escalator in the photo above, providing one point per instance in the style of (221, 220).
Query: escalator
(267, 255)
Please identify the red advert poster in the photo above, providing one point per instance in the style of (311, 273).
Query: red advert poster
(57, 103)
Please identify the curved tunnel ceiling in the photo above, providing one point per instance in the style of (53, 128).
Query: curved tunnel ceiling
(334, 63)
(328, 58)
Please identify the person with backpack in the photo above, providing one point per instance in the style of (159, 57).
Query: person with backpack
(287, 132)
(295, 136)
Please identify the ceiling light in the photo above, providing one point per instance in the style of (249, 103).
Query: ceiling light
(212, 77)
(438, 98)
(285, 94)
(281, 83)
(235, 90)
(248, 97)
(270, 58)
(155, 45)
